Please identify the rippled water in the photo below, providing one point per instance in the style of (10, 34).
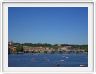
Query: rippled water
(47, 60)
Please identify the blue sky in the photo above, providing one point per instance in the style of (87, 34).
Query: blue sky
(53, 25)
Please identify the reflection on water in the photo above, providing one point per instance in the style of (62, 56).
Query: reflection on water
(47, 60)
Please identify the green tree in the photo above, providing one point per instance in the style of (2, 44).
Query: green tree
(19, 48)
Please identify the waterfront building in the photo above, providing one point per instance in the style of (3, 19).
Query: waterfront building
(11, 48)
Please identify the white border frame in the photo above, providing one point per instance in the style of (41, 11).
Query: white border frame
(0, 37)
(49, 73)
(94, 36)
(5, 6)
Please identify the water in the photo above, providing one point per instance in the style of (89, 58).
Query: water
(47, 60)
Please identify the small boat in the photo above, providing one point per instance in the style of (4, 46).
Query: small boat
(66, 57)
(61, 60)
(82, 65)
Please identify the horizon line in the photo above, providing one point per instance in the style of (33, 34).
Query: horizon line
(46, 43)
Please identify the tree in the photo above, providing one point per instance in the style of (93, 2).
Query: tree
(19, 48)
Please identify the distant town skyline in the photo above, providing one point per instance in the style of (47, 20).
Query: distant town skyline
(54, 25)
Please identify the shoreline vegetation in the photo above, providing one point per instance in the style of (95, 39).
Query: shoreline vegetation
(15, 48)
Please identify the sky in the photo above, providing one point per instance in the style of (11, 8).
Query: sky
(54, 25)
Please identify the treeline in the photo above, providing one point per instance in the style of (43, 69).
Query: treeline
(19, 46)
(34, 45)
(47, 44)
(84, 47)
(51, 45)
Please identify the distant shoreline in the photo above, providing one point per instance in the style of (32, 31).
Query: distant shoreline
(46, 48)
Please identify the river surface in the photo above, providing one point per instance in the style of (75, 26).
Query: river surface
(47, 60)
